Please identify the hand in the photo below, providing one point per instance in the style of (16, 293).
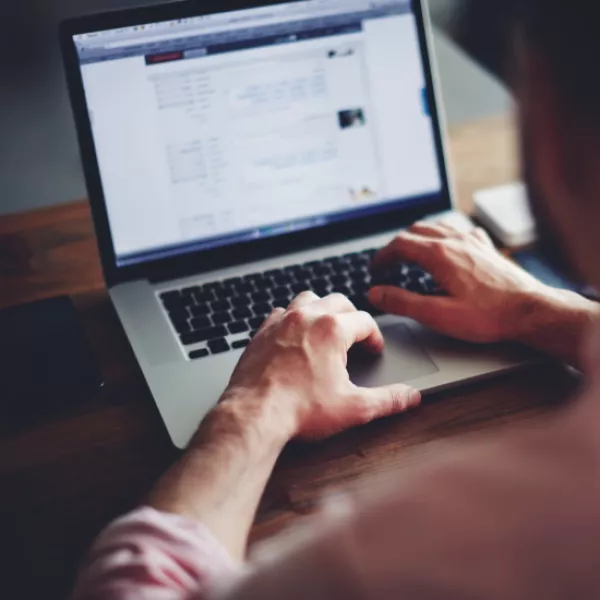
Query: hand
(298, 361)
(490, 299)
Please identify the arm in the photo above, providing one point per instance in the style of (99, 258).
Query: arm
(222, 476)
(291, 383)
(490, 299)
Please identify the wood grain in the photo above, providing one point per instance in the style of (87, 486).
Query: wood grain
(63, 479)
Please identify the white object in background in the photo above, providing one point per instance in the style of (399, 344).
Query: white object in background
(505, 212)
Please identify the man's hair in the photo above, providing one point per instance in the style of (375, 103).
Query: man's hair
(567, 32)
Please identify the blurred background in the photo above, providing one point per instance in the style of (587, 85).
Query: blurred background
(39, 158)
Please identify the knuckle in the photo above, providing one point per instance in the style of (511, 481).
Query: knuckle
(306, 294)
(296, 317)
(341, 299)
(439, 249)
(328, 327)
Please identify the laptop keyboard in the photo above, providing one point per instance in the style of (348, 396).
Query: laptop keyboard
(221, 316)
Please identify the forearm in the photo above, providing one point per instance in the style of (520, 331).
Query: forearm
(556, 324)
(221, 478)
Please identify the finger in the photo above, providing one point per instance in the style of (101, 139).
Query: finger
(360, 327)
(387, 401)
(334, 304)
(482, 236)
(407, 247)
(275, 316)
(303, 299)
(434, 230)
(435, 312)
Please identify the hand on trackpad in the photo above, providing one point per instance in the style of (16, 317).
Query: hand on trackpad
(403, 360)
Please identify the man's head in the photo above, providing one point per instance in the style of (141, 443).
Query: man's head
(557, 84)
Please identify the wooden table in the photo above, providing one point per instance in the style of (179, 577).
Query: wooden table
(63, 479)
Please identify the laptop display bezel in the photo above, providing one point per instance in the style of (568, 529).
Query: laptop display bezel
(249, 251)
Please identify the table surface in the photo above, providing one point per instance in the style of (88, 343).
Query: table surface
(63, 479)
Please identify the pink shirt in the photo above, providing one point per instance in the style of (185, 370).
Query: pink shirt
(516, 516)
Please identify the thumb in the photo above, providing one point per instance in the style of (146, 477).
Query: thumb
(389, 400)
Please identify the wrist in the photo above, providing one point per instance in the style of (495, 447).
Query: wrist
(260, 420)
(555, 322)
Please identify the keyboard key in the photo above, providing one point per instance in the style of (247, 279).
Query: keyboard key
(218, 346)
(273, 272)
(342, 267)
(172, 301)
(232, 282)
(262, 309)
(214, 285)
(281, 292)
(182, 314)
(204, 296)
(298, 288)
(191, 290)
(241, 301)
(240, 344)
(321, 290)
(188, 300)
(339, 279)
(258, 280)
(360, 288)
(256, 322)
(341, 289)
(202, 335)
(253, 277)
(238, 327)
(322, 270)
(221, 318)
(200, 310)
(283, 278)
(359, 275)
(259, 297)
(220, 305)
(224, 293)
(195, 354)
(181, 325)
(266, 283)
(242, 313)
(244, 288)
(321, 283)
(334, 261)
(200, 323)
(304, 275)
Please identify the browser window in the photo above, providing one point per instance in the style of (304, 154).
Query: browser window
(211, 131)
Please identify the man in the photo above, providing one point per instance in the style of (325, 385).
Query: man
(516, 516)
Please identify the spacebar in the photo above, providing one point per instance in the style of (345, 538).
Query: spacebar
(203, 335)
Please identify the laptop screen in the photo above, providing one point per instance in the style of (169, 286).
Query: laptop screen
(242, 125)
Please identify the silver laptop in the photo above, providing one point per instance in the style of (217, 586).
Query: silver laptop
(238, 156)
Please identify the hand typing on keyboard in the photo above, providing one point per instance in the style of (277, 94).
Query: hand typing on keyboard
(487, 298)
(295, 370)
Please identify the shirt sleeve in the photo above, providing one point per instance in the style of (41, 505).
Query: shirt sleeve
(149, 555)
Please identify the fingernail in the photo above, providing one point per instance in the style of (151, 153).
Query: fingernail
(414, 398)
(375, 296)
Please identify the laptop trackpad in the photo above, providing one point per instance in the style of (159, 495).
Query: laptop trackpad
(403, 360)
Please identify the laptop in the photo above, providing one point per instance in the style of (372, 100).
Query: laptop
(237, 154)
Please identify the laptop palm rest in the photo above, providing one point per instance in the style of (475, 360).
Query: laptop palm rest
(403, 360)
